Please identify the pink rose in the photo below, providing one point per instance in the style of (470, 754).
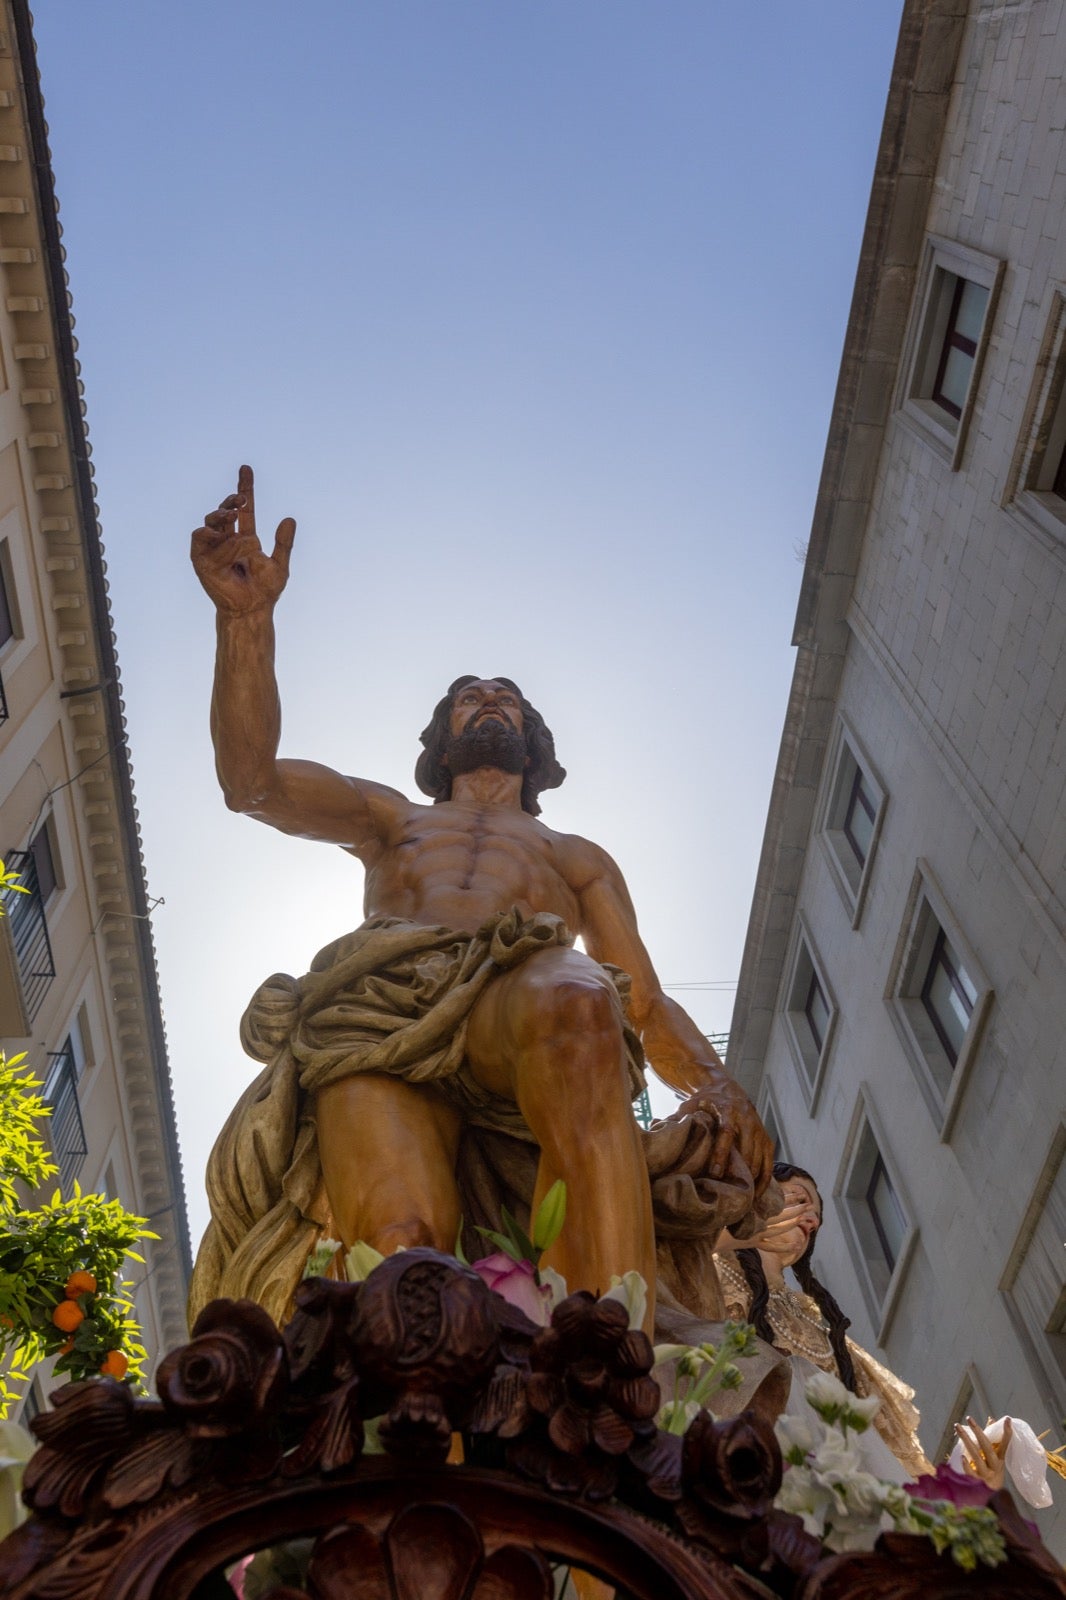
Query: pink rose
(516, 1282)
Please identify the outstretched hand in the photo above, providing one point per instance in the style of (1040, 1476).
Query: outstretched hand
(229, 560)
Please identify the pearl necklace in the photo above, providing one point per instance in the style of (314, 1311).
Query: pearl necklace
(793, 1316)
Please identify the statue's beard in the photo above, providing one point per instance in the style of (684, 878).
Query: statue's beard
(486, 744)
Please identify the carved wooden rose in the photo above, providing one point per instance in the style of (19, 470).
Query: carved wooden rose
(231, 1377)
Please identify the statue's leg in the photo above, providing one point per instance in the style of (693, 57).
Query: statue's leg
(388, 1152)
(549, 1036)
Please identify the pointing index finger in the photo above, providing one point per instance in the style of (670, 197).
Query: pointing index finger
(246, 511)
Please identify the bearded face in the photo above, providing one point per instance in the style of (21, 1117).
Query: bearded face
(488, 743)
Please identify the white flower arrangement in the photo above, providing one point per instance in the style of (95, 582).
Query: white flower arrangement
(847, 1507)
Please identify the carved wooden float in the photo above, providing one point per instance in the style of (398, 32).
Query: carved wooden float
(258, 1438)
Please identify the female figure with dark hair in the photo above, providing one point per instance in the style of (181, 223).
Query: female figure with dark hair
(809, 1325)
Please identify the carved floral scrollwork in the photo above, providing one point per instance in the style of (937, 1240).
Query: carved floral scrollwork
(427, 1552)
(586, 1407)
(255, 1430)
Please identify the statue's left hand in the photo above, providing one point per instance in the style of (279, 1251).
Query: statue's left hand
(740, 1128)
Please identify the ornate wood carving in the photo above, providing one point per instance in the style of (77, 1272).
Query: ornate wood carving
(259, 1437)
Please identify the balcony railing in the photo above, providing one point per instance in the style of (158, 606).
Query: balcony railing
(65, 1127)
(29, 931)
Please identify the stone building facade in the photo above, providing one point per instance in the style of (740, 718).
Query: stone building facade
(901, 1012)
(78, 989)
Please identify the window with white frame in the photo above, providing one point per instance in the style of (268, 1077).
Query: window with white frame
(810, 1014)
(971, 1400)
(876, 1217)
(33, 1404)
(1034, 1283)
(938, 998)
(954, 305)
(851, 819)
(45, 855)
(1037, 482)
(771, 1121)
(9, 619)
(79, 1041)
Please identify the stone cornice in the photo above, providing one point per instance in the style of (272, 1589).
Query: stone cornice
(47, 380)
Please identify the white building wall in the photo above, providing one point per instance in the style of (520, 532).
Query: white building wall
(954, 681)
(62, 743)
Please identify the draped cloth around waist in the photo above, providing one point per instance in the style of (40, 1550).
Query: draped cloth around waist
(395, 998)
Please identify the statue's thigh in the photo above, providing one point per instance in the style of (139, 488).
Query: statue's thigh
(386, 1146)
(530, 1006)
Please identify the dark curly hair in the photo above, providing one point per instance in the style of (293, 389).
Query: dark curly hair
(542, 772)
(752, 1267)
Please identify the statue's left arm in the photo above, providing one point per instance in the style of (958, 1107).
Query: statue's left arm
(681, 1055)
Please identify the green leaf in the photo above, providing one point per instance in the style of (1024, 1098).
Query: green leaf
(520, 1237)
(459, 1252)
(551, 1214)
(506, 1245)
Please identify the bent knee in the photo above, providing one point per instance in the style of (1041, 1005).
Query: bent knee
(574, 1002)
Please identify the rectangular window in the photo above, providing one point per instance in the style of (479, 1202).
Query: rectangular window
(810, 1014)
(949, 996)
(851, 817)
(938, 998)
(890, 1224)
(28, 928)
(772, 1123)
(65, 1127)
(7, 619)
(33, 1404)
(44, 860)
(954, 305)
(875, 1215)
(959, 351)
(859, 818)
(1034, 1284)
(816, 1010)
(1036, 487)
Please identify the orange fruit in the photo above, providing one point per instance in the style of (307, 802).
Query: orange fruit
(68, 1315)
(66, 1347)
(80, 1283)
(114, 1364)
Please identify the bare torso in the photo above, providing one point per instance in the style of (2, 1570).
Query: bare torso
(456, 864)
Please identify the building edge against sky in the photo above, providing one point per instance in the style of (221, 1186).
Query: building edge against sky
(78, 984)
(901, 1008)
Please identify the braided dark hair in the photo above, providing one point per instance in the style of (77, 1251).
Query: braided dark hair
(542, 772)
(751, 1265)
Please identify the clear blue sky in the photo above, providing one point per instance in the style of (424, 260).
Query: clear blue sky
(530, 313)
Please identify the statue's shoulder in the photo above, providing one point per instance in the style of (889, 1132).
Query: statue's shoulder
(580, 860)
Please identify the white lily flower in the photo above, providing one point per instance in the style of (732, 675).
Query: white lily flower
(631, 1291)
(361, 1260)
(860, 1413)
(555, 1283)
(855, 1533)
(669, 1352)
(797, 1434)
(827, 1395)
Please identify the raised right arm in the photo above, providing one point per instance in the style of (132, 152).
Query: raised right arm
(299, 797)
